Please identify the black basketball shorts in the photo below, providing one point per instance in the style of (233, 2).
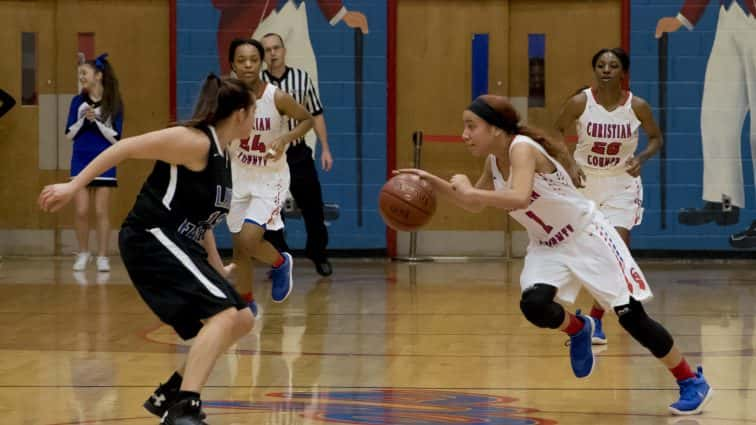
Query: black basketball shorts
(175, 279)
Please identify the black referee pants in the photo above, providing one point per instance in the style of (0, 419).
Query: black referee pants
(305, 188)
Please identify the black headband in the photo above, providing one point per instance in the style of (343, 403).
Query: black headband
(489, 115)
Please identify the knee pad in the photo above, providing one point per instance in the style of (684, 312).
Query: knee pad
(538, 306)
(645, 330)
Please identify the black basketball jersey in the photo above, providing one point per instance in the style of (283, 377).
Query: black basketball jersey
(186, 201)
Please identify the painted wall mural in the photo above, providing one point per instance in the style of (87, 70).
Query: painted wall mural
(705, 76)
(325, 38)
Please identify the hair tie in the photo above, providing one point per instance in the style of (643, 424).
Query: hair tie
(100, 61)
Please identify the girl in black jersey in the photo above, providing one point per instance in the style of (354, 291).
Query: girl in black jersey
(167, 243)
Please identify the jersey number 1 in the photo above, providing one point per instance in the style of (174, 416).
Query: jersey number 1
(255, 146)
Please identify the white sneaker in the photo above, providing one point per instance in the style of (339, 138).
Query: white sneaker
(82, 259)
(103, 264)
(80, 278)
(102, 278)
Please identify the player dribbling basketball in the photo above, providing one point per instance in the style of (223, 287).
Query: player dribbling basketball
(571, 243)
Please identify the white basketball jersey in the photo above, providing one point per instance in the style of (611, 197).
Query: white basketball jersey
(606, 140)
(556, 211)
(249, 154)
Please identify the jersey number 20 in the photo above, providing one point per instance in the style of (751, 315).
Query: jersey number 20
(604, 148)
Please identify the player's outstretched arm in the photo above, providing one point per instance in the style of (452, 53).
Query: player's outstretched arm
(176, 145)
(442, 187)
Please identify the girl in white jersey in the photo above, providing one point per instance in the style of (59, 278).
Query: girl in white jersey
(571, 244)
(261, 173)
(607, 119)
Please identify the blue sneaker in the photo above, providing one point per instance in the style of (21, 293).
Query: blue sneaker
(256, 310)
(282, 278)
(599, 337)
(581, 356)
(695, 393)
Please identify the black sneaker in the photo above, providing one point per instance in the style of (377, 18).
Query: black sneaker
(745, 239)
(323, 267)
(184, 412)
(722, 214)
(162, 399)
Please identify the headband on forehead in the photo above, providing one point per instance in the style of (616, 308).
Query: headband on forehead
(489, 115)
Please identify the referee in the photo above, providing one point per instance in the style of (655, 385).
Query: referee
(305, 186)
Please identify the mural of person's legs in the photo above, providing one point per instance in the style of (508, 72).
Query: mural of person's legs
(723, 110)
(747, 238)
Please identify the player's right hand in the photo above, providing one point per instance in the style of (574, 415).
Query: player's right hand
(277, 148)
(414, 171)
(53, 197)
(667, 24)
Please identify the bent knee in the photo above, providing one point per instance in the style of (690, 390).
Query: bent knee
(538, 306)
(648, 332)
(244, 322)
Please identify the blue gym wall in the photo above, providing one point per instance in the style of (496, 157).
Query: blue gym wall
(196, 55)
(688, 53)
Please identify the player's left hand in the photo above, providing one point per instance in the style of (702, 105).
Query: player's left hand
(53, 197)
(356, 20)
(326, 160)
(633, 166)
(277, 148)
(228, 270)
(461, 183)
(577, 175)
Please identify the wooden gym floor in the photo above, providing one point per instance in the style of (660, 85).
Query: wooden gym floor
(378, 343)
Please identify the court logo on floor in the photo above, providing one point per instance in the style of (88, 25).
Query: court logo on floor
(393, 407)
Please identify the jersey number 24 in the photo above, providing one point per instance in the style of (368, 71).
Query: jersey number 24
(255, 145)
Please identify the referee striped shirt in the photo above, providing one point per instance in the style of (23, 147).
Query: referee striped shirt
(298, 84)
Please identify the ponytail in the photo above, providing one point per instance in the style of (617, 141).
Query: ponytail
(218, 99)
(554, 148)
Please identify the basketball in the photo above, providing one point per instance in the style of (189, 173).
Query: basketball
(406, 202)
